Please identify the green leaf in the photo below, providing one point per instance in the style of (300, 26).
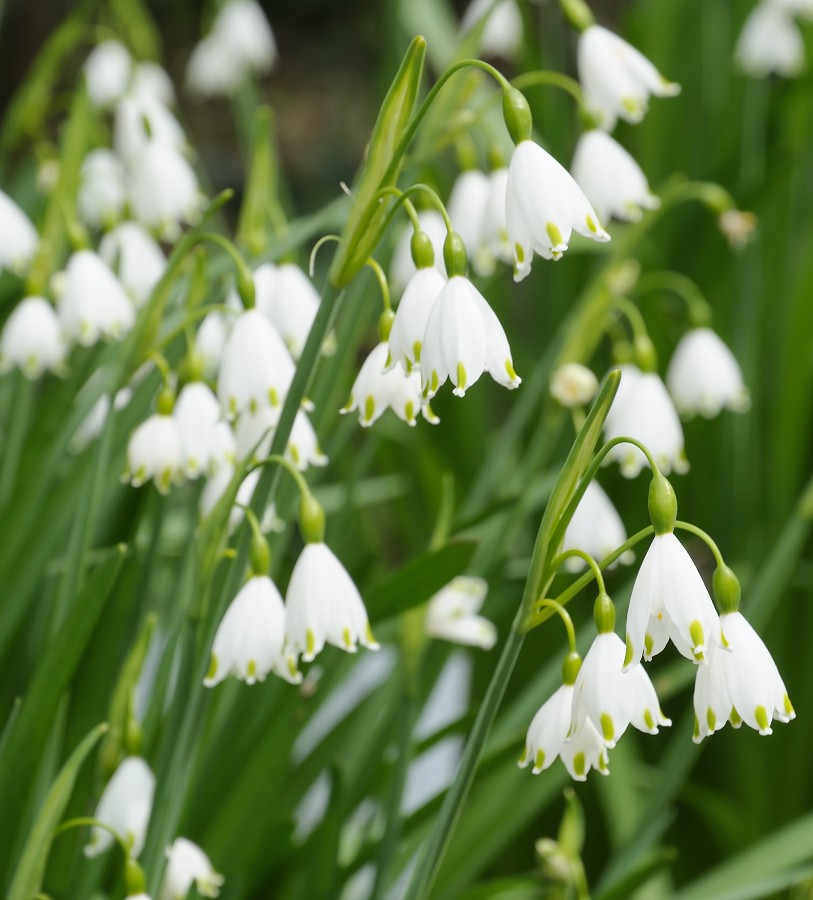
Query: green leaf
(648, 865)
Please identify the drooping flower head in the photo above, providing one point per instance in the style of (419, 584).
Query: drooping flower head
(596, 528)
(124, 806)
(452, 614)
(107, 73)
(188, 865)
(155, 453)
(206, 440)
(102, 189)
(770, 42)
(18, 237)
(32, 339)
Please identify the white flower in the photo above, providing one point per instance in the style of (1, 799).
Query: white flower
(188, 865)
(92, 303)
(287, 296)
(548, 731)
(740, 683)
(616, 78)
(770, 41)
(250, 638)
(323, 605)
(643, 409)
(402, 267)
(467, 208)
(107, 73)
(704, 376)
(573, 384)
(377, 388)
(211, 70)
(494, 242)
(32, 339)
(463, 339)
(595, 528)
(452, 614)
(141, 118)
(670, 602)
(18, 237)
(153, 79)
(610, 178)
(164, 190)
(543, 206)
(584, 750)
(210, 339)
(255, 368)
(255, 431)
(207, 442)
(124, 806)
(409, 325)
(102, 189)
(155, 451)
(502, 34)
(136, 258)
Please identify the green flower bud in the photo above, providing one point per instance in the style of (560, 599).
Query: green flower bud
(604, 614)
(259, 554)
(570, 668)
(517, 115)
(311, 519)
(245, 287)
(727, 591)
(454, 255)
(578, 14)
(645, 354)
(385, 321)
(134, 880)
(662, 504)
(423, 253)
(165, 402)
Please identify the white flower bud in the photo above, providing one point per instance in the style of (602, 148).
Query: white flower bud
(18, 237)
(32, 339)
(107, 72)
(124, 806)
(188, 865)
(102, 189)
(573, 385)
(452, 614)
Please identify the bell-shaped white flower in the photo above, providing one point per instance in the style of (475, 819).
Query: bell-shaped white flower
(92, 303)
(502, 34)
(250, 639)
(403, 267)
(102, 189)
(770, 42)
(18, 237)
(377, 388)
(405, 341)
(741, 683)
(153, 79)
(548, 731)
(140, 119)
(107, 73)
(452, 614)
(610, 178)
(124, 806)
(643, 409)
(573, 385)
(495, 244)
(155, 452)
(164, 190)
(256, 368)
(323, 605)
(617, 79)
(287, 296)
(206, 442)
(32, 339)
(188, 865)
(596, 528)
(464, 338)
(704, 376)
(212, 71)
(136, 257)
(670, 602)
(467, 208)
(584, 750)
(544, 205)
(255, 432)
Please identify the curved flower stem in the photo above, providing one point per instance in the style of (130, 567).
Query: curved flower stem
(706, 538)
(633, 315)
(382, 283)
(89, 821)
(291, 469)
(402, 197)
(698, 307)
(563, 614)
(591, 562)
(325, 239)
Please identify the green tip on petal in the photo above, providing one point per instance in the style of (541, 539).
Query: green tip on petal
(789, 710)
(629, 654)
(696, 730)
(348, 640)
(578, 764)
(761, 715)
(416, 351)
(310, 642)
(523, 758)
(519, 253)
(539, 761)
(461, 376)
(591, 224)
(554, 234)
(212, 668)
(735, 718)
(711, 719)
(409, 411)
(251, 669)
(509, 368)
(698, 640)
(369, 408)
(607, 727)
(649, 720)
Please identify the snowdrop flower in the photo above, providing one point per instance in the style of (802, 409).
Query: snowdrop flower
(188, 865)
(164, 190)
(573, 385)
(211, 70)
(452, 614)
(141, 118)
(255, 432)
(102, 189)
(323, 605)
(124, 806)
(287, 296)
(596, 528)
(543, 206)
(107, 73)
(464, 338)
(502, 34)
(770, 41)
(494, 242)
(610, 178)
(152, 79)
(616, 78)
(405, 341)
(207, 443)
(92, 303)
(18, 237)
(704, 376)
(740, 684)
(378, 387)
(32, 339)
(256, 368)
(643, 409)
(250, 638)
(467, 208)
(136, 258)
(403, 266)
(155, 452)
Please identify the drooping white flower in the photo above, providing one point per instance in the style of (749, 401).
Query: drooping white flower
(617, 79)
(255, 432)
(770, 42)
(544, 205)
(92, 303)
(464, 338)
(573, 384)
(405, 341)
(323, 605)
(206, 441)
(164, 190)
(584, 750)
(136, 257)
(124, 806)
(402, 267)
(32, 339)
(137, 897)
(740, 683)
(250, 638)
(502, 33)
(467, 208)
(595, 528)
(494, 241)
(153, 79)
(18, 237)
(141, 118)
(643, 409)
(102, 189)
(287, 296)
(155, 452)
(670, 602)
(452, 614)
(256, 368)
(610, 178)
(377, 388)
(548, 731)
(211, 70)
(107, 73)
(704, 376)
(188, 865)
